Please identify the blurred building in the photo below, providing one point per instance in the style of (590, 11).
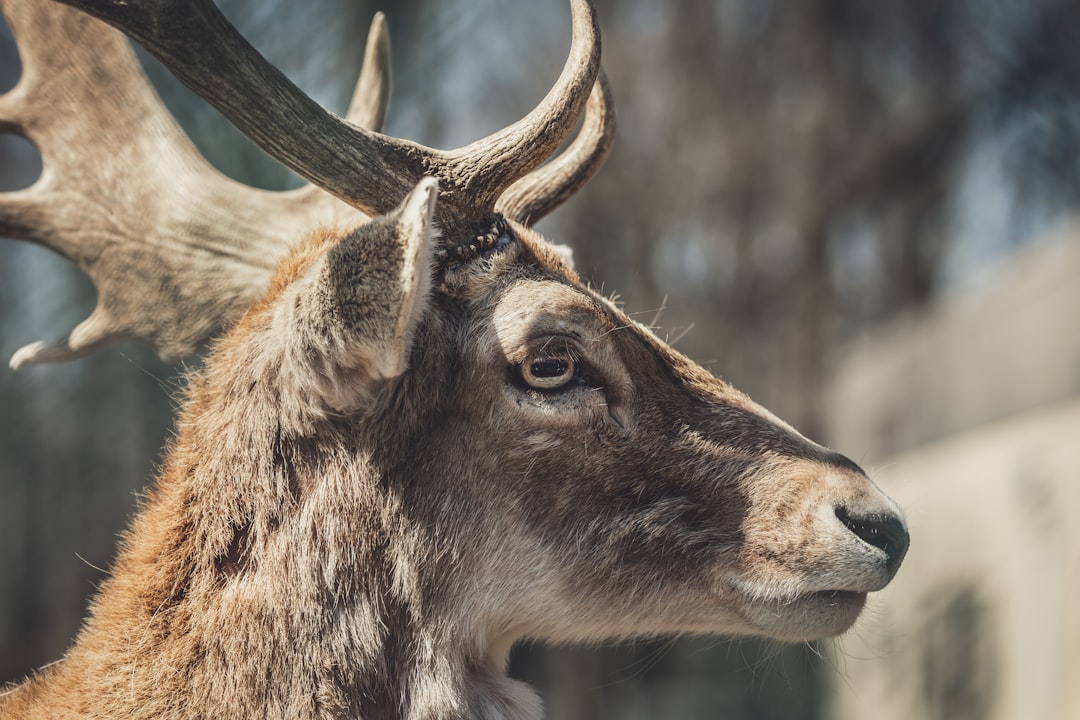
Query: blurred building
(969, 412)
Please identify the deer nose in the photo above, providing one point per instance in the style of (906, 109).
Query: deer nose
(884, 531)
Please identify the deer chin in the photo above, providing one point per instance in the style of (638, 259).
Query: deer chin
(808, 616)
(800, 609)
(811, 607)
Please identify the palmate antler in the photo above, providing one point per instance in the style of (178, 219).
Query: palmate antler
(175, 249)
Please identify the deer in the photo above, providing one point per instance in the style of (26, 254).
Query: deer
(418, 437)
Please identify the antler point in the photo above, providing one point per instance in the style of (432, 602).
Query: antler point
(26, 355)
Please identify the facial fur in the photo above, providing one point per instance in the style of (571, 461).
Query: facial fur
(392, 489)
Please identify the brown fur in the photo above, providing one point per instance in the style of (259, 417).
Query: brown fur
(377, 555)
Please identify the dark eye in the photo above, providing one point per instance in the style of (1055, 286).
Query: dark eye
(548, 372)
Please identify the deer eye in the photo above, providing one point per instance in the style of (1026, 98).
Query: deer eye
(548, 372)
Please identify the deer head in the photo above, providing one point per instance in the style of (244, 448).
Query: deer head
(420, 437)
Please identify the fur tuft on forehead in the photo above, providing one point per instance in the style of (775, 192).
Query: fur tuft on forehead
(519, 252)
(555, 257)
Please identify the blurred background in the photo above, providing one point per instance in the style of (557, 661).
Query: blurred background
(863, 214)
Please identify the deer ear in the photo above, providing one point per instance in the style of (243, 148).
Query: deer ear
(377, 280)
(357, 310)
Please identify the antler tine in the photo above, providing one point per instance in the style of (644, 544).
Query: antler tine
(497, 161)
(369, 103)
(549, 186)
(371, 98)
(371, 172)
(175, 249)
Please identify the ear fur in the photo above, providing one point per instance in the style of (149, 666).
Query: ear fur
(377, 280)
(356, 309)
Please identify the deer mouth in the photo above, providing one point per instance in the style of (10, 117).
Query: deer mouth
(810, 616)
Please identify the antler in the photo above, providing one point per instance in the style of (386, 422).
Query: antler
(549, 186)
(369, 171)
(175, 249)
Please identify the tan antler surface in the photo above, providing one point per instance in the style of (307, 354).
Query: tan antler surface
(174, 248)
(370, 171)
(549, 186)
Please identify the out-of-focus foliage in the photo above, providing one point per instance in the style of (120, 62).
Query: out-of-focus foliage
(785, 176)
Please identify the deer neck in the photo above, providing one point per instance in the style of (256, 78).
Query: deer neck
(273, 575)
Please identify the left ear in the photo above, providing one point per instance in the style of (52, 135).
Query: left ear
(354, 312)
(377, 279)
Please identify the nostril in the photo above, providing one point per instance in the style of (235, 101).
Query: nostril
(881, 530)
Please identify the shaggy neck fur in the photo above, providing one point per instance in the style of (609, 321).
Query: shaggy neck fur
(273, 572)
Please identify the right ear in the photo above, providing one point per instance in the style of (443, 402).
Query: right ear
(357, 308)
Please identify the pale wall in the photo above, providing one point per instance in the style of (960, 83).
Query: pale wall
(983, 620)
(969, 415)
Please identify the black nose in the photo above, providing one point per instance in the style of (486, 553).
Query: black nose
(881, 530)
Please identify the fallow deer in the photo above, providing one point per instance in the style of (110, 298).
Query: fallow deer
(419, 438)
